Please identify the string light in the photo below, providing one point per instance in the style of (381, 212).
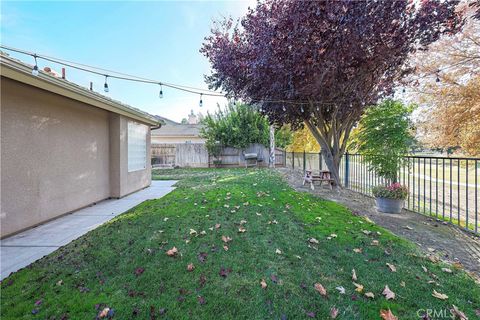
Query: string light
(284, 109)
(301, 109)
(122, 76)
(35, 67)
(105, 86)
(201, 102)
(160, 94)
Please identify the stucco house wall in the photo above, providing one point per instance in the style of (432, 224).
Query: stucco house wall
(59, 154)
(55, 155)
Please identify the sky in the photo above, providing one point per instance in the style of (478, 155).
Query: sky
(155, 40)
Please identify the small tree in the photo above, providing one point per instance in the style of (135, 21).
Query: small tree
(238, 126)
(384, 136)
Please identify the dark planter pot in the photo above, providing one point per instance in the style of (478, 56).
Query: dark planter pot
(389, 205)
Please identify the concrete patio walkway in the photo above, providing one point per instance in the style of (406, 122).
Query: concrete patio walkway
(22, 249)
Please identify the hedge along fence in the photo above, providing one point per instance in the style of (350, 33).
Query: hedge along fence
(195, 155)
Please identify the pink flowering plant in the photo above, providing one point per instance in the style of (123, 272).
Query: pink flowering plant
(393, 191)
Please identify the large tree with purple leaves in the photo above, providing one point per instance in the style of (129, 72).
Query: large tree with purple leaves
(319, 63)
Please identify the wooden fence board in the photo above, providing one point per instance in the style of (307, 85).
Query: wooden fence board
(196, 155)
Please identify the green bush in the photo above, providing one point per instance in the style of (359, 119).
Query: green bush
(238, 126)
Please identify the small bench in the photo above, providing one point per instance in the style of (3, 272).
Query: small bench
(323, 176)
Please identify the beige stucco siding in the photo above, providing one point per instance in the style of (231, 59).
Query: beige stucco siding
(55, 155)
(58, 155)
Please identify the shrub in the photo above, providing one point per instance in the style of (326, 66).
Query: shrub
(394, 191)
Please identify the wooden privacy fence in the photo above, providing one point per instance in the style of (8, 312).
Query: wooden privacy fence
(195, 155)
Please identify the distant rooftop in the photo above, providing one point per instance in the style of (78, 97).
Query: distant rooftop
(171, 128)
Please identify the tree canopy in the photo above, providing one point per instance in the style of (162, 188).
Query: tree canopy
(321, 62)
(450, 116)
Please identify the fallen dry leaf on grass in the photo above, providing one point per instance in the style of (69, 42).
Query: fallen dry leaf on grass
(367, 232)
(278, 251)
(190, 267)
(224, 272)
(172, 252)
(387, 315)
(313, 240)
(374, 243)
(320, 289)
(193, 232)
(226, 239)
(359, 287)
(217, 226)
(357, 250)
(333, 313)
(341, 289)
(439, 295)
(103, 313)
(389, 294)
(391, 267)
(424, 269)
(354, 275)
(402, 284)
(457, 313)
(242, 230)
(225, 247)
(263, 284)
(447, 270)
(370, 295)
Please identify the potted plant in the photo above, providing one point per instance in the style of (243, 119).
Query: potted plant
(390, 199)
(384, 136)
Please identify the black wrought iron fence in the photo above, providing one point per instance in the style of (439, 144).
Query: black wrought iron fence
(444, 188)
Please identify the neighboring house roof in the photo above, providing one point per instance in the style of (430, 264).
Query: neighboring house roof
(171, 128)
(19, 71)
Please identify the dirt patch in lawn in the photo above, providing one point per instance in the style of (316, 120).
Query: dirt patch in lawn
(448, 242)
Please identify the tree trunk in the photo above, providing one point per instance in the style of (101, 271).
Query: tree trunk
(333, 165)
(272, 147)
(332, 137)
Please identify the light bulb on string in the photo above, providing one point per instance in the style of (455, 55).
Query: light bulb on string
(105, 86)
(438, 79)
(160, 94)
(35, 67)
(301, 109)
(284, 109)
(201, 101)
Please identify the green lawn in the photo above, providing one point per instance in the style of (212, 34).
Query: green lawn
(123, 264)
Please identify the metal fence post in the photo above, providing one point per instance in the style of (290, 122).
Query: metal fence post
(293, 159)
(304, 161)
(320, 161)
(347, 169)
